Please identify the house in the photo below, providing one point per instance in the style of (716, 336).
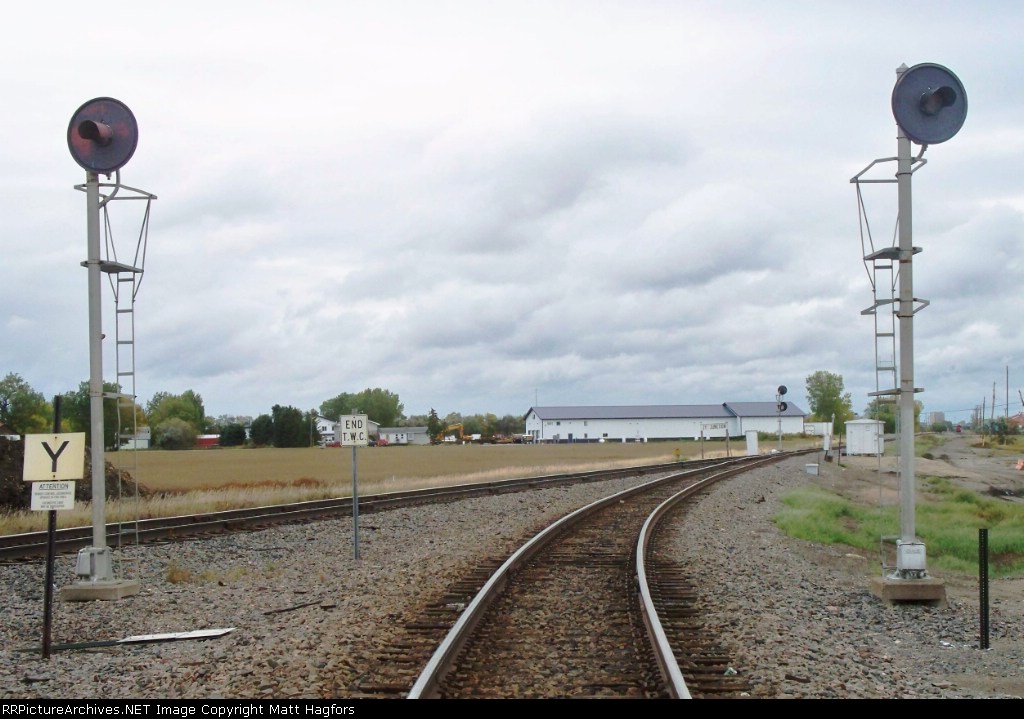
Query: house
(326, 429)
(8, 433)
(639, 423)
(404, 435)
(140, 440)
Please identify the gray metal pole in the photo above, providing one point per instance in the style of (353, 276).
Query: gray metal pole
(355, 507)
(906, 317)
(99, 535)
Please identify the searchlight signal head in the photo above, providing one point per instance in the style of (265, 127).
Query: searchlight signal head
(929, 103)
(102, 135)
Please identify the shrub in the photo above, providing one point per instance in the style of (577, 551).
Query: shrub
(175, 433)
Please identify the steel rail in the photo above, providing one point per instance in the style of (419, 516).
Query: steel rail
(70, 539)
(660, 644)
(428, 682)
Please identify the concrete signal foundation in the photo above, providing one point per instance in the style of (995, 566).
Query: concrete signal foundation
(910, 591)
(105, 590)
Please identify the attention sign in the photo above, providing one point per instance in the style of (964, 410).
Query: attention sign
(51, 496)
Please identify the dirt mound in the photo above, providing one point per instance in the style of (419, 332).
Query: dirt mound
(16, 494)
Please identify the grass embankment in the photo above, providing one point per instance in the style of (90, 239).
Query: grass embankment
(947, 520)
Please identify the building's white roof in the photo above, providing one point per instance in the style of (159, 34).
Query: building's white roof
(726, 410)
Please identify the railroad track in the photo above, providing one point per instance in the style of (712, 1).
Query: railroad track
(34, 544)
(563, 617)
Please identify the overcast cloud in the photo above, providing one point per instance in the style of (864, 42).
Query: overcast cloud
(483, 206)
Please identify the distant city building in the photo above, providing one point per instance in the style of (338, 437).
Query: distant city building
(935, 418)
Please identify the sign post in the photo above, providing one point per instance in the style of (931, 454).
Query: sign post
(354, 433)
(52, 463)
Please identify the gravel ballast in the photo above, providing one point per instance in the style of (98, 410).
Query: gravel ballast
(307, 619)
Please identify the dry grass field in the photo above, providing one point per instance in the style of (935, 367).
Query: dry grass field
(210, 480)
(213, 469)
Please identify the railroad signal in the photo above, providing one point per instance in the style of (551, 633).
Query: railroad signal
(102, 135)
(929, 103)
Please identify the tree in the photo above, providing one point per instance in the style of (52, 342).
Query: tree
(884, 411)
(434, 424)
(76, 409)
(510, 425)
(314, 436)
(187, 406)
(224, 420)
(827, 399)
(290, 428)
(889, 413)
(232, 434)
(22, 408)
(380, 405)
(175, 433)
(262, 430)
(334, 408)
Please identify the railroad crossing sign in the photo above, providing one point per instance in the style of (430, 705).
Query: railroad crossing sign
(354, 430)
(52, 463)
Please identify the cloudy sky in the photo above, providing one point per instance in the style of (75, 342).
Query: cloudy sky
(482, 206)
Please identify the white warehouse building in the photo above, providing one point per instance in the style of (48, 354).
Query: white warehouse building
(640, 423)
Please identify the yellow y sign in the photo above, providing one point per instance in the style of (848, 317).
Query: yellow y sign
(54, 456)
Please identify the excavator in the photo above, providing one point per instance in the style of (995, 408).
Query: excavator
(443, 435)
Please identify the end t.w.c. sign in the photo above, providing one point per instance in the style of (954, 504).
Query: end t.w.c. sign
(354, 430)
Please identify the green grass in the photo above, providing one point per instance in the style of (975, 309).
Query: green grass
(947, 520)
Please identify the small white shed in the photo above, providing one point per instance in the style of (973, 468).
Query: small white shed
(865, 436)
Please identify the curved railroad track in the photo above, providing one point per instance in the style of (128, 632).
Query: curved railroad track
(586, 609)
(34, 544)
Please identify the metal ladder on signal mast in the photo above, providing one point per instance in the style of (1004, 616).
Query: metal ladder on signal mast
(882, 266)
(124, 281)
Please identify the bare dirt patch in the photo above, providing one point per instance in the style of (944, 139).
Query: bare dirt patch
(986, 470)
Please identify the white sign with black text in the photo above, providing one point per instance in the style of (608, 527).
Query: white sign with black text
(355, 430)
(51, 496)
